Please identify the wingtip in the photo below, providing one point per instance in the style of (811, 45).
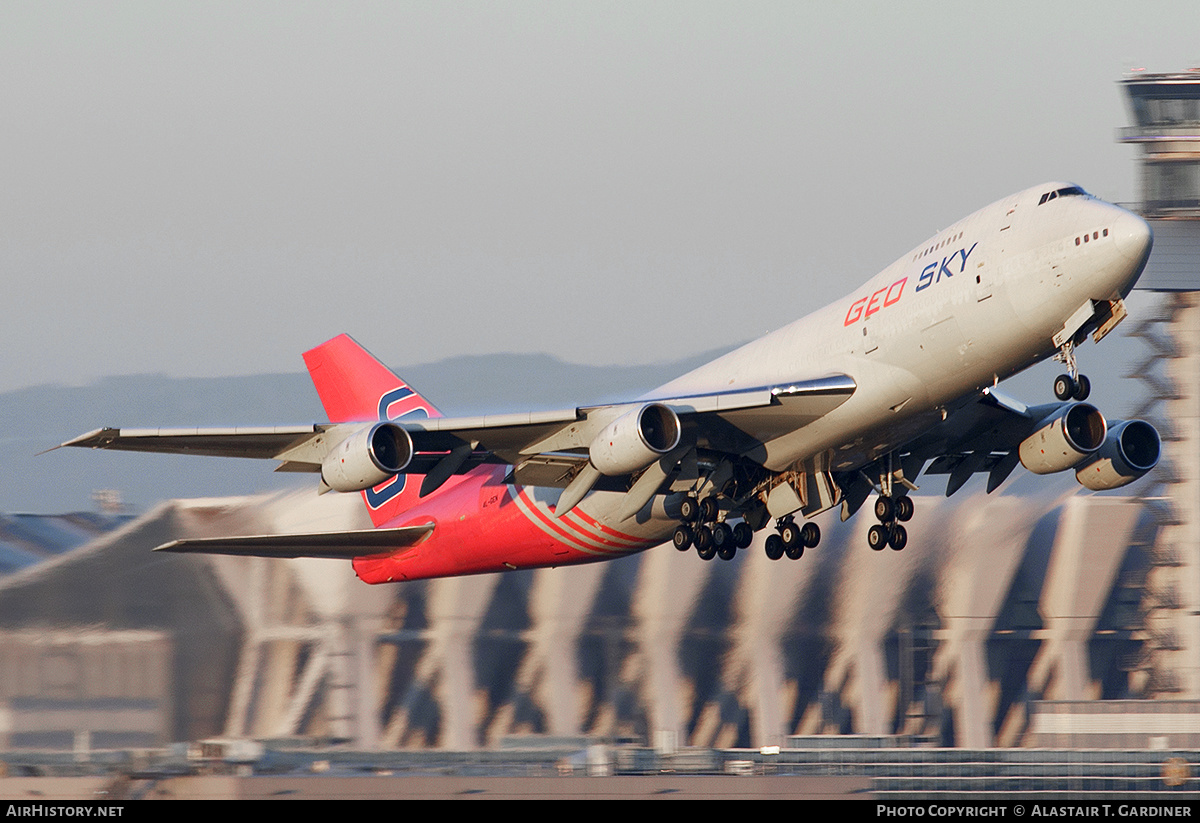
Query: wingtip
(94, 439)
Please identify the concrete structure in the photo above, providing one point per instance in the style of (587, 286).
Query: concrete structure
(84, 689)
(28, 539)
(1166, 115)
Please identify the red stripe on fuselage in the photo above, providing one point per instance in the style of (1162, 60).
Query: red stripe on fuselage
(574, 527)
(480, 527)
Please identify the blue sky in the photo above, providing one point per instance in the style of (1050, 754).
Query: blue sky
(211, 188)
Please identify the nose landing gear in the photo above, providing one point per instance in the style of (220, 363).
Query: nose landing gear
(1072, 385)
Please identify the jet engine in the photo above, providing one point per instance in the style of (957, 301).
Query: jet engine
(1064, 439)
(635, 440)
(367, 457)
(1131, 449)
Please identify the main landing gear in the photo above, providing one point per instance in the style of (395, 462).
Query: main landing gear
(711, 537)
(1072, 385)
(791, 539)
(891, 513)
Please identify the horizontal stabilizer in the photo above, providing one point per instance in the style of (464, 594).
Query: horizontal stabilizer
(337, 545)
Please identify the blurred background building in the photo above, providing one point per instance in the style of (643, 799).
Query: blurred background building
(1165, 110)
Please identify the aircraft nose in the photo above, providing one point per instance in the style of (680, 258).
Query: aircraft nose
(1133, 236)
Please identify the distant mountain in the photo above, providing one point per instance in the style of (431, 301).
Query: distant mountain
(38, 418)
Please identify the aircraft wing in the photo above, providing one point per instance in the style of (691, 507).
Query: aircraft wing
(727, 422)
(335, 545)
(981, 436)
(257, 442)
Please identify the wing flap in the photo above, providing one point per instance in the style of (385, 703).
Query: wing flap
(335, 545)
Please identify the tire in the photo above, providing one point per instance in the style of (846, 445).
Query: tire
(709, 509)
(904, 509)
(689, 509)
(790, 534)
(885, 509)
(722, 536)
(702, 539)
(774, 546)
(810, 535)
(1064, 387)
(727, 551)
(898, 539)
(877, 538)
(743, 535)
(682, 538)
(708, 552)
(795, 552)
(1083, 388)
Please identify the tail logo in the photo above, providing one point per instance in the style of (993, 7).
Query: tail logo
(392, 405)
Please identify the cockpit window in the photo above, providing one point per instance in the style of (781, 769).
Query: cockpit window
(1069, 191)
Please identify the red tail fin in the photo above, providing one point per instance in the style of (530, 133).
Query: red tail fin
(354, 386)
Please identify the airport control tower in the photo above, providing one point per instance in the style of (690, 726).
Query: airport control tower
(1166, 117)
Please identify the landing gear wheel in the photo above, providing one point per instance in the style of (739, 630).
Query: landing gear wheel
(709, 509)
(904, 509)
(722, 535)
(708, 552)
(743, 535)
(689, 508)
(1064, 387)
(1083, 387)
(810, 535)
(877, 538)
(795, 552)
(885, 509)
(702, 538)
(727, 551)
(682, 538)
(898, 539)
(774, 546)
(789, 533)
